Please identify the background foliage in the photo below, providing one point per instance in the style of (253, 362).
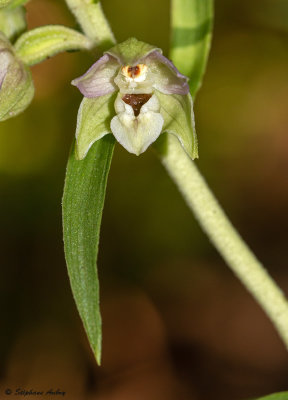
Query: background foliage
(176, 323)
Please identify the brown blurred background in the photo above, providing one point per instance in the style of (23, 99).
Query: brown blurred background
(177, 323)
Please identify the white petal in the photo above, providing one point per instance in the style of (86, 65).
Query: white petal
(137, 133)
(165, 76)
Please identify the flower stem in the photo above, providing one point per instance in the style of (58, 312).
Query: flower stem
(224, 236)
(93, 22)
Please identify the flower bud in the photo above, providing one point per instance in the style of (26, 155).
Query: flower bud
(16, 85)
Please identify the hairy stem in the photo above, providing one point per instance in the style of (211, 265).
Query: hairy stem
(93, 22)
(224, 236)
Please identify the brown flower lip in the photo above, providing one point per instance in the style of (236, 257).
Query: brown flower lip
(136, 101)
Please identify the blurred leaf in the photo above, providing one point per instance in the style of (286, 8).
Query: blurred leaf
(16, 3)
(191, 38)
(4, 3)
(83, 202)
(275, 396)
(38, 44)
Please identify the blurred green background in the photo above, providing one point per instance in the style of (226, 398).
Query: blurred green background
(177, 324)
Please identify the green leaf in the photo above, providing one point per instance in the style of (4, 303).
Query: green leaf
(12, 21)
(83, 202)
(177, 111)
(275, 396)
(191, 38)
(38, 44)
(93, 122)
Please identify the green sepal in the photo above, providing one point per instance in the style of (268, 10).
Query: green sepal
(131, 51)
(40, 43)
(16, 92)
(12, 21)
(83, 202)
(177, 111)
(17, 89)
(93, 122)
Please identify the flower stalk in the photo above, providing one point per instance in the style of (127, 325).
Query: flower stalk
(93, 22)
(223, 235)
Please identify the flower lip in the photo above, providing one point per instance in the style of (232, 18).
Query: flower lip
(136, 134)
(136, 101)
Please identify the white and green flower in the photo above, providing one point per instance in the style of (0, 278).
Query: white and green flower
(136, 93)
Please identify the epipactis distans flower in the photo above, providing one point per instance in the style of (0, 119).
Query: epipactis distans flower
(136, 93)
(16, 86)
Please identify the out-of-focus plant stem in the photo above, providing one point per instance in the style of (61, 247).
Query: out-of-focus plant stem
(223, 235)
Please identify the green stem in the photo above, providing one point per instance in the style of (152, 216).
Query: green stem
(224, 236)
(93, 22)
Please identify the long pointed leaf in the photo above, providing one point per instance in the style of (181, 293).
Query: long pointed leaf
(275, 396)
(191, 22)
(83, 202)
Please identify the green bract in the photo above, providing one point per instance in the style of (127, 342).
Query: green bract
(135, 93)
(40, 43)
(16, 85)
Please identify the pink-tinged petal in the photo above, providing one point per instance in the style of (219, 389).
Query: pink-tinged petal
(99, 79)
(167, 79)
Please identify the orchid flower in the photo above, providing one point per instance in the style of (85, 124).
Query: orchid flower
(136, 93)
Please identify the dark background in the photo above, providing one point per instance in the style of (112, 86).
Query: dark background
(177, 324)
